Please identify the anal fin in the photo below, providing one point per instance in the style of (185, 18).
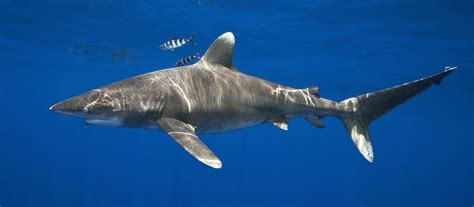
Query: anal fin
(315, 121)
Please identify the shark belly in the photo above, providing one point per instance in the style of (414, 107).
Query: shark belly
(226, 122)
(114, 122)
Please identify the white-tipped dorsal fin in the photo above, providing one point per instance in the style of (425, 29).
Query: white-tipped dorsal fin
(220, 52)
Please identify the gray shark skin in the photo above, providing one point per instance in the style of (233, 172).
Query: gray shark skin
(213, 96)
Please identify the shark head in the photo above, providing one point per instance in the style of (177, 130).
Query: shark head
(94, 104)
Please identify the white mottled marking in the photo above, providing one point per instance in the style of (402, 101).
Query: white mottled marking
(362, 142)
(191, 126)
(309, 97)
(352, 103)
(448, 68)
(287, 93)
(228, 38)
(185, 133)
(183, 94)
(115, 121)
(215, 163)
(93, 102)
(281, 125)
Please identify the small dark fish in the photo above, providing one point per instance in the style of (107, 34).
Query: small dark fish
(205, 2)
(81, 48)
(188, 59)
(121, 54)
(177, 42)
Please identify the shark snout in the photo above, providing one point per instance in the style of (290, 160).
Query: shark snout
(55, 107)
(94, 103)
(77, 105)
(71, 106)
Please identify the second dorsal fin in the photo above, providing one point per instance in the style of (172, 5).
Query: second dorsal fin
(220, 52)
(313, 90)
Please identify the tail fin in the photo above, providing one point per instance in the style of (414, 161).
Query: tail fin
(361, 110)
(191, 38)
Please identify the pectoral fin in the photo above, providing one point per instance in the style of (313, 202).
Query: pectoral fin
(184, 135)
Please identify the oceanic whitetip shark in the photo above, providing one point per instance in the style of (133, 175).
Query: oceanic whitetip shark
(213, 96)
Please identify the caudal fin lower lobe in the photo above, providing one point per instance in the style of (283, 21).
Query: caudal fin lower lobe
(360, 111)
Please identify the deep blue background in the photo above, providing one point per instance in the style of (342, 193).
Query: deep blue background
(424, 153)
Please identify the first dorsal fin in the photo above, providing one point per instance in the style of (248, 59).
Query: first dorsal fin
(220, 52)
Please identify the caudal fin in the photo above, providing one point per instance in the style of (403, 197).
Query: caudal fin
(360, 111)
(191, 38)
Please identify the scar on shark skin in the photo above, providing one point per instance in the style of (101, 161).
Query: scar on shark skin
(287, 93)
(183, 94)
(185, 133)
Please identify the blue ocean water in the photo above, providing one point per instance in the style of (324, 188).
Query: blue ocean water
(51, 50)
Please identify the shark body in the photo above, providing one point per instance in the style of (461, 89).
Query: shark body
(213, 96)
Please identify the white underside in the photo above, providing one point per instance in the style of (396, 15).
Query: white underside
(105, 122)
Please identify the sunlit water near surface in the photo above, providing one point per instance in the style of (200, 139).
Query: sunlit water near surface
(424, 153)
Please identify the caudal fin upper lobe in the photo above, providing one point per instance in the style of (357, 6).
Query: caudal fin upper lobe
(360, 111)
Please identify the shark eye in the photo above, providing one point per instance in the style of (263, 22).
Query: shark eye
(85, 110)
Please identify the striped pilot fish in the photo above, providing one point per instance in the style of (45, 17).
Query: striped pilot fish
(188, 59)
(177, 42)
